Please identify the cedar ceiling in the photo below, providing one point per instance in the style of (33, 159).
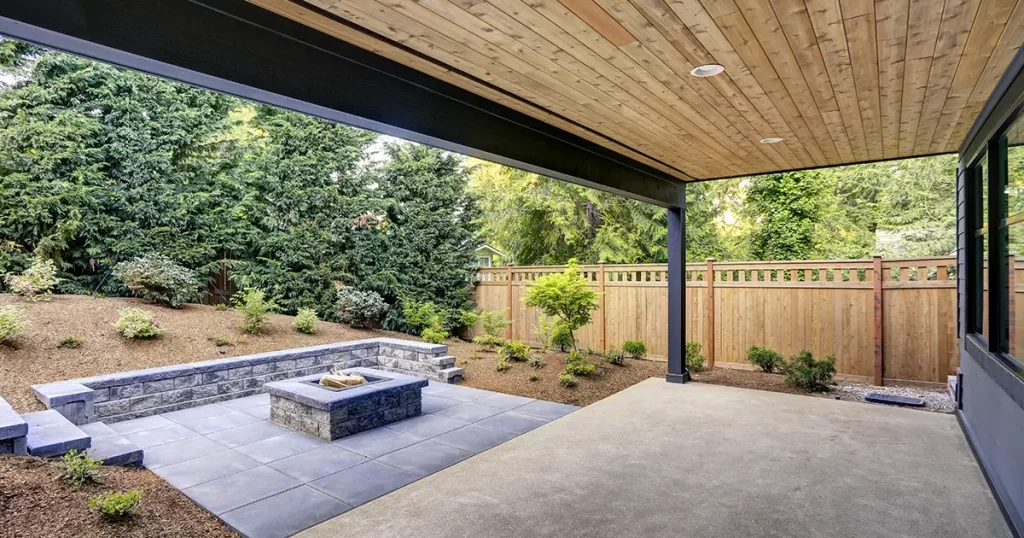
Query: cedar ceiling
(841, 81)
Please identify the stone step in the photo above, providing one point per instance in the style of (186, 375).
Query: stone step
(50, 434)
(12, 431)
(116, 450)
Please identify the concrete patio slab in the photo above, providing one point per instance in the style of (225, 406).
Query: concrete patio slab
(255, 400)
(364, 482)
(252, 475)
(376, 443)
(160, 436)
(469, 412)
(435, 403)
(424, 458)
(284, 514)
(548, 410)
(703, 461)
(504, 402)
(512, 422)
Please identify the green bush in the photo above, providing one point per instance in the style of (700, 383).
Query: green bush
(220, 341)
(545, 331)
(635, 348)
(136, 323)
(435, 334)
(534, 377)
(466, 318)
(566, 297)
(561, 337)
(580, 367)
(514, 350)
(158, 279)
(69, 342)
(493, 323)
(78, 468)
(37, 282)
(488, 341)
(567, 380)
(809, 374)
(535, 362)
(421, 315)
(12, 322)
(306, 321)
(616, 357)
(503, 364)
(255, 309)
(767, 359)
(359, 308)
(694, 357)
(117, 506)
(221, 307)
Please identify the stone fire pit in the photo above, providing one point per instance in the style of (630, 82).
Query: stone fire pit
(302, 404)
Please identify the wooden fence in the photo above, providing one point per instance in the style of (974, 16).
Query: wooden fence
(882, 319)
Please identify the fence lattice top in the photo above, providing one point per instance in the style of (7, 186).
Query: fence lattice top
(895, 273)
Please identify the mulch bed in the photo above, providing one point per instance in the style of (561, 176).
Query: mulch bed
(747, 379)
(34, 502)
(606, 380)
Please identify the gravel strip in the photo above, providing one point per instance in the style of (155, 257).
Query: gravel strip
(935, 400)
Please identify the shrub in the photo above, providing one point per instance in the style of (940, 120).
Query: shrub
(514, 350)
(535, 362)
(561, 338)
(465, 318)
(136, 323)
(116, 506)
(809, 374)
(767, 359)
(360, 308)
(503, 364)
(12, 322)
(255, 309)
(545, 331)
(421, 315)
(580, 367)
(635, 348)
(493, 323)
(36, 282)
(221, 307)
(306, 321)
(572, 357)
(435, 334)
(694, 357)
(567, 380)
(488, 341)
(616, 357)
(220, 341)
(566, 297)
(158, 279)
(78, 468)
(534, 377)
(69, 342)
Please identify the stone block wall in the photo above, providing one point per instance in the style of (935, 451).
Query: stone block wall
(128, 395)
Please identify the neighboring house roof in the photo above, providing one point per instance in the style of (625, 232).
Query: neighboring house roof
(490, 249)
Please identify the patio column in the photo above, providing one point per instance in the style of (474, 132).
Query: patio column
(677, 372)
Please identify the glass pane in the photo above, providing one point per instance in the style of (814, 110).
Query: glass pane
(1015, 223)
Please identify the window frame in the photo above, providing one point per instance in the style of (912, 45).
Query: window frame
(997, 233)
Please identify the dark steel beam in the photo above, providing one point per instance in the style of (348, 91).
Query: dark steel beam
(677, 371)
(235, 47)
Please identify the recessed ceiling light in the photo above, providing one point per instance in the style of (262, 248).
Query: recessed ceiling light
(772, 140)
(708, 70)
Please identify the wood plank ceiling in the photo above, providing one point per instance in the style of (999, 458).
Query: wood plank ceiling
(840, 81)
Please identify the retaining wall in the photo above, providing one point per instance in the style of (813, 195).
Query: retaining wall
(128, 395)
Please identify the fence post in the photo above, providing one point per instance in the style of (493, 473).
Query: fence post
(604, 313)
(879, 350)
(709, 279)
(508, 301)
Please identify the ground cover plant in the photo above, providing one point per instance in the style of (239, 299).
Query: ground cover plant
(635, 348)
(514, 350)
(12, 322)
(78, 469)
(37, 282)
(117, 506)
(69, 342)
(137, 324)
(306, 321)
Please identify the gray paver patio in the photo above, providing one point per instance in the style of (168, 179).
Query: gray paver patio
(266, 481)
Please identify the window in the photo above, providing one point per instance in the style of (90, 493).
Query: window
(1012, 226)
(995, 221)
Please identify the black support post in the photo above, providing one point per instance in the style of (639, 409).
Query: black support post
(677, 372)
